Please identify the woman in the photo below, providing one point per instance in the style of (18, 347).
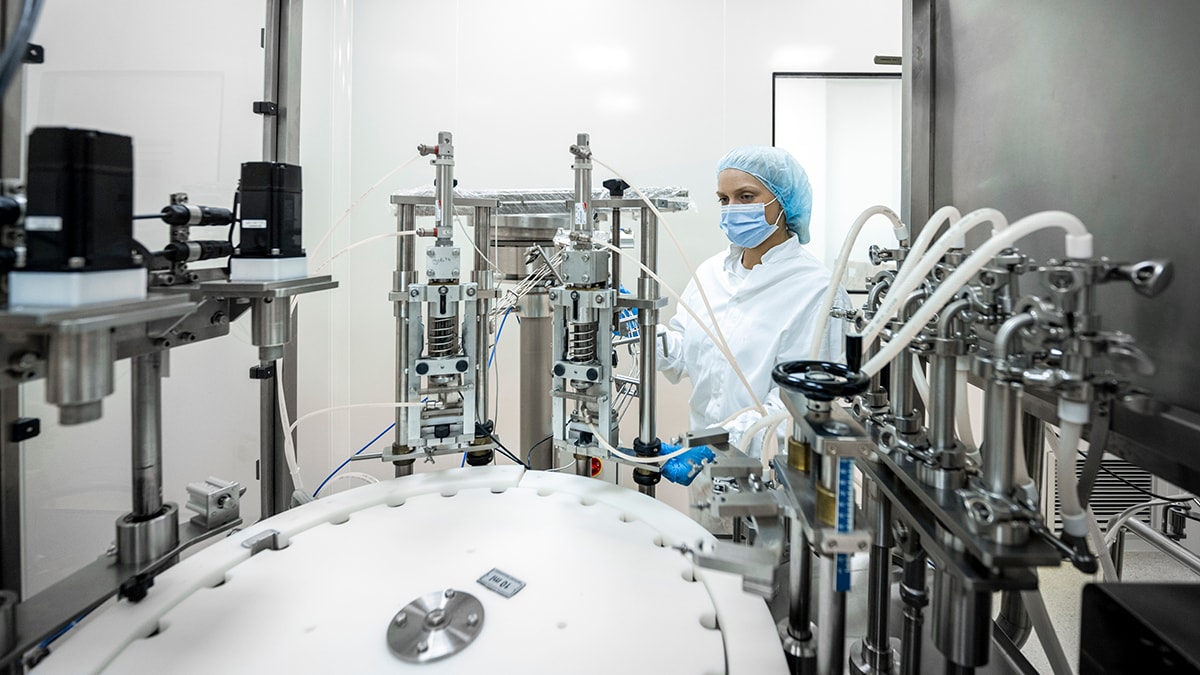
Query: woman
(765, 292)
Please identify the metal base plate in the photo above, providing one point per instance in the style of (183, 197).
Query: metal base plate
(435, 625)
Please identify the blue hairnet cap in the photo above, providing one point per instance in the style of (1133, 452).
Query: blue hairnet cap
(782, 175)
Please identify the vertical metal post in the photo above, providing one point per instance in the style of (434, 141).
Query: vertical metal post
(831, 622)
(11, 494)
(876, 656)
(147, 434)
(483, 278)
(912, 593)
(796, 631)
(942, 384)
(916, 130)
(647, 356)
(282, 32)
(536, 361)
(405, 276)
(12, 142)
(1002, 404)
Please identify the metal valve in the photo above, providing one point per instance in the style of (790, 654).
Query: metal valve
(1149, 277)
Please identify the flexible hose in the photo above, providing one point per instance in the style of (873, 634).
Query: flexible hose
(920, 380)
(720, 336)
(770, 422)
(354, 205)
(910, 277)
(946, 214)
(720, 344)
(966, 435)
(839, 269)
(1078, 246)
(1102, 552)
(1071, 417)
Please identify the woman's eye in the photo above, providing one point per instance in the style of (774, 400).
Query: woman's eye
(723, 201)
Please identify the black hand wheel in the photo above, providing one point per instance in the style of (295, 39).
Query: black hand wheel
(820, 380)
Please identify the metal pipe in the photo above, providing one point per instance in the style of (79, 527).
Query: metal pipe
(1161, 542)
(581, 221)
(271, 77)
(615, 260)
(147, 434)
(535, 382)
(962, 620)
(877, 647)
(404, 276)
(912, 592)
(1002, 405)
(800, 583)
(445, 188)
(941, 422)
(648, 331)
(270, 463)
(483, 279)
(901, 388)
(831, 622)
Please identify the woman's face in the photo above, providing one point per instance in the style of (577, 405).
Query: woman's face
(738, 187)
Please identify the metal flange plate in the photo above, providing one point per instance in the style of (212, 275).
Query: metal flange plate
(435, 625)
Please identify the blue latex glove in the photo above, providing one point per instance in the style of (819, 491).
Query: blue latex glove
(683, 469)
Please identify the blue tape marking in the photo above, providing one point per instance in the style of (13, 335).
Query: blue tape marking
(845, 517)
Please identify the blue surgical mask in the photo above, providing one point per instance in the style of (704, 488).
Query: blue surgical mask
(746, 224)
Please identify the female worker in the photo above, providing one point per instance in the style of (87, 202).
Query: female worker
(764, 292)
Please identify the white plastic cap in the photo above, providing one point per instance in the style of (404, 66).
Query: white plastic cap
(1073, 412)
(1079, 245)
(1075, 524)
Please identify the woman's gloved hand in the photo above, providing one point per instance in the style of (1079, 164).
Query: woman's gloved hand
(683, 469)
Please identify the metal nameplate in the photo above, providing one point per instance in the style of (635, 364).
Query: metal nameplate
(503, 583)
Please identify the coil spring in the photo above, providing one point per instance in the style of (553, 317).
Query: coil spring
(443, 336)
(581, 342)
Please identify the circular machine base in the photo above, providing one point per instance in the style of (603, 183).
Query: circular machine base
(572, 574)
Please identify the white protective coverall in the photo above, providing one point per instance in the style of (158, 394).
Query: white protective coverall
(767, 315)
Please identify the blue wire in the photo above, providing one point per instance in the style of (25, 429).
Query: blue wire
(498, 331)
(348, 459)
(62, 631)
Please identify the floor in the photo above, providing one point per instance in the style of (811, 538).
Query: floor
(1062, 587)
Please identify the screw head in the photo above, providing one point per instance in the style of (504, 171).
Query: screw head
(450, 593)
(401, 619)
(423, 646)
(472, 619)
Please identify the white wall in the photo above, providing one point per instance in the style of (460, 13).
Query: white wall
(663, 88)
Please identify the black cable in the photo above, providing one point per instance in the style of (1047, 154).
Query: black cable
(1149, 493)
(148, 216)
(237, 198)
(504, 451)
(529, 454)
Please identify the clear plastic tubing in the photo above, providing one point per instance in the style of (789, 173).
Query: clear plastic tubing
(1078, 245)
(914, 271)
(839, 269)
